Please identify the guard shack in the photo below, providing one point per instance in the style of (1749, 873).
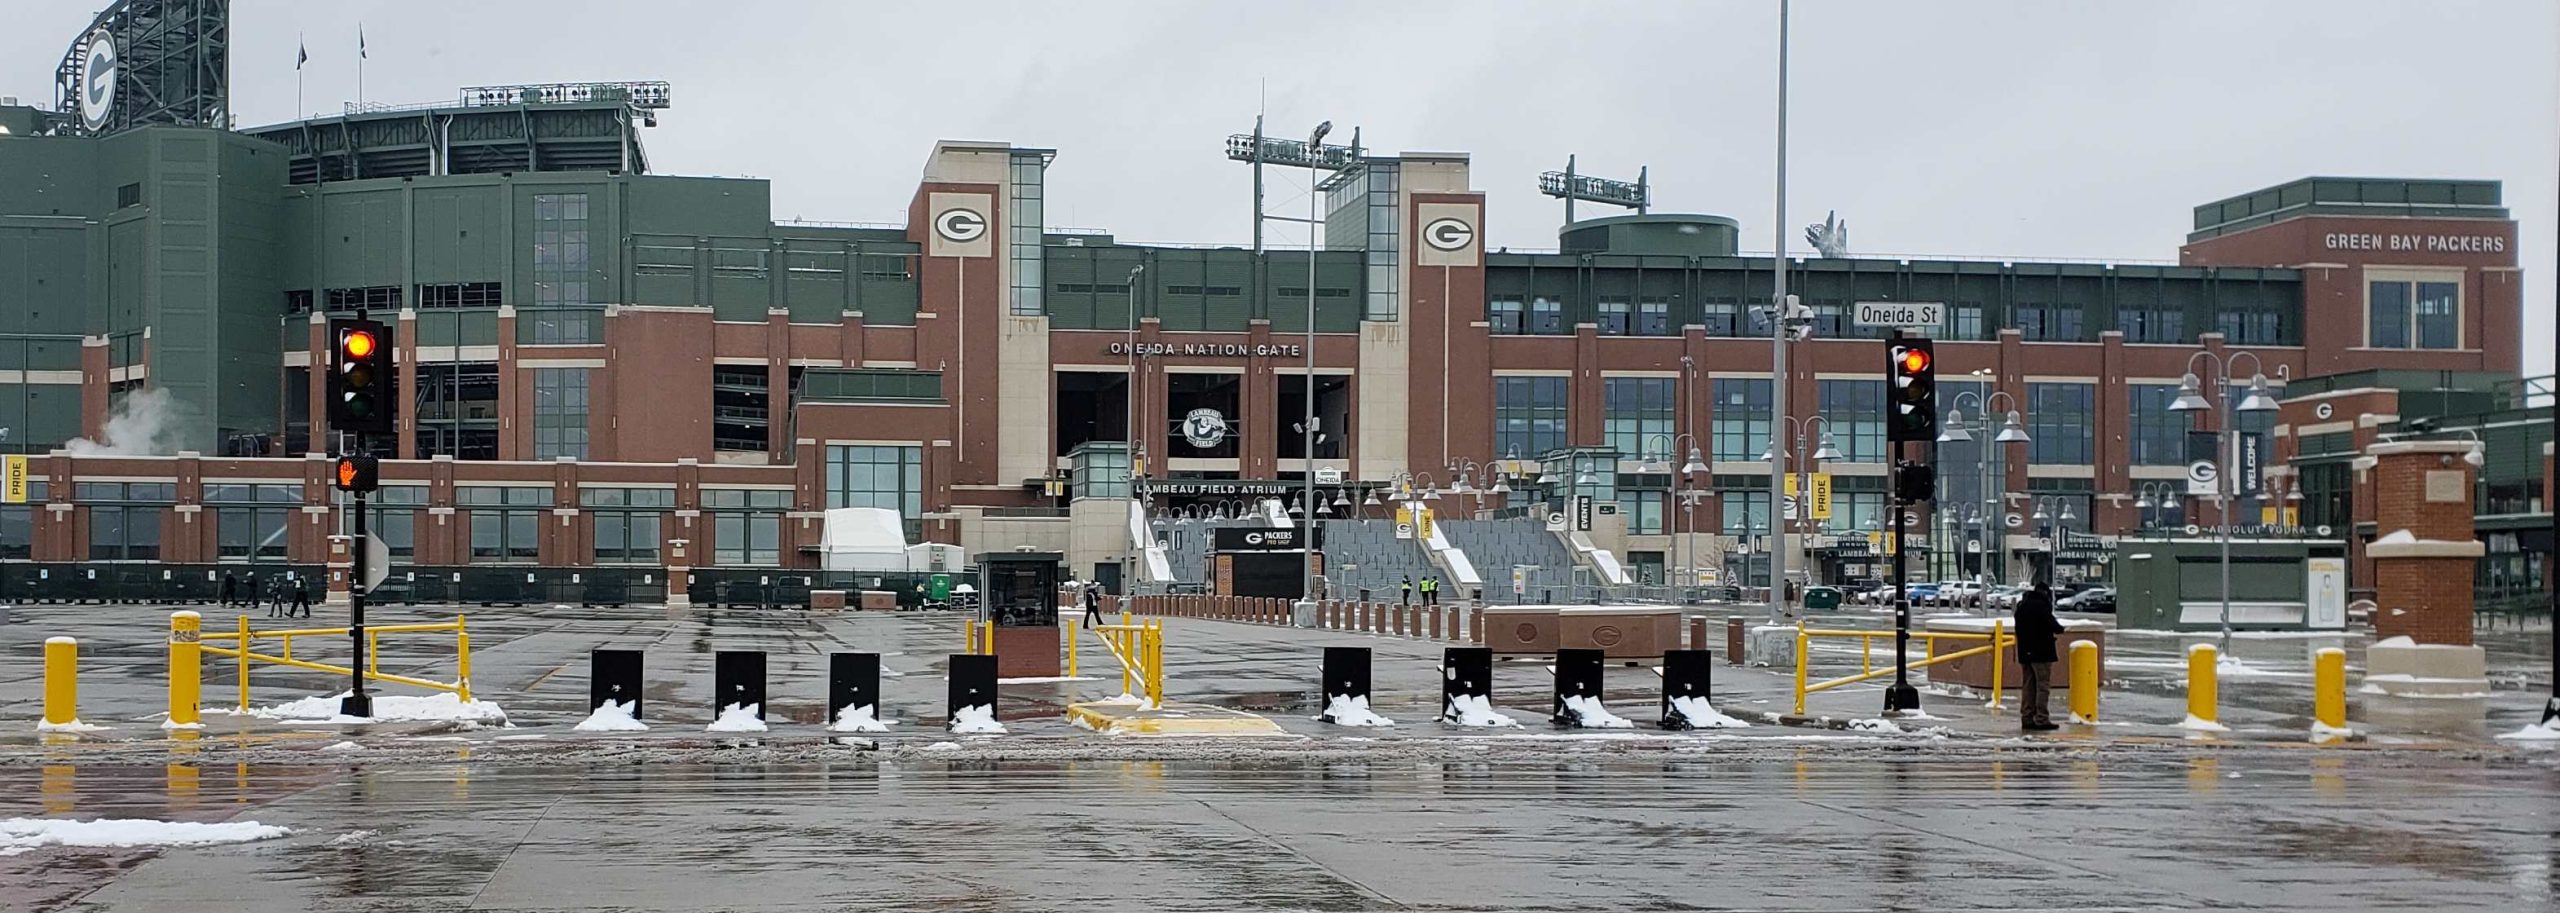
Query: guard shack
(1262, 561)
(1018, 592)
(2278, 583)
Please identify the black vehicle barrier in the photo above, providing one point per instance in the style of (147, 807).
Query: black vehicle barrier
(613, 675)
(737, 680)
(1346, 678)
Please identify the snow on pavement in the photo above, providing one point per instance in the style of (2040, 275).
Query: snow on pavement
(1352, 710)
(1594, 715)
(864, 718)
(19, 835)
(612, 716)
(388, 708)
(738, 718)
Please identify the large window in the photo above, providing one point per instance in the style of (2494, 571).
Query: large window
(559, 413)
(559, 249)
(2250, 328)
(2152, 325)
(888, 477)
(250, 519)
(2425, 315)
(1854, 412)
(1507, 317)
(1741, 414)
(1546, 317)
(394, 518)
(1653, 317)
(626, 522)
(506, 522)
(2159, 435)
(1615, 319)
(2049, 322)
(1643, 510)
(1025, 224)
(1855, 512)
(124, 518)
(1528, 415)
(2062, 420)
(746, 524)
(1746, 513)
(1638, 410)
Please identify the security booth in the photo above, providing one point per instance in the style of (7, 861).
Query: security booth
(1018, 592)
(2278, 581)
(1263, 561)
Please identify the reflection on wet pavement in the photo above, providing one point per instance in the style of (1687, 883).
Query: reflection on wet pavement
(2271, 829)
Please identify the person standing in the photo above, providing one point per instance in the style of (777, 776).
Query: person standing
(2037, 629)
(230, 589)
(1405, 591)
(1431, 590)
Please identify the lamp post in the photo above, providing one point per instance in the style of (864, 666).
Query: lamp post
(1696, 465)
(1307, 429)
(2226, 440)
(1987, 483)
(2152, 499)
(1788, 321)
(1776, 454)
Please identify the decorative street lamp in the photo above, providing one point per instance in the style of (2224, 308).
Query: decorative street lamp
(2226, 441)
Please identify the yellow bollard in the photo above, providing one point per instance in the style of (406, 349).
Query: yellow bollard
(1999, 663)
(243, 646)
(1075, 645)
(1120, 646)
(2203, 699)
(2329, 692)
(61, 682)
(2084, 682)
(1800, 662)
(462, 659)
(186, 667)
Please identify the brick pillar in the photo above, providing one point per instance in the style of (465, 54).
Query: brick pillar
(2424, 553)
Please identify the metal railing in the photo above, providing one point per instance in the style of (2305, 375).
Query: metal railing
(1992, 643)
(244, 643)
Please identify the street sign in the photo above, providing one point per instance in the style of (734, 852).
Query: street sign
(1902, 313)
(377, 561)
(1519, 580)
(2253, 478)
(938, 587)
(1582, 513)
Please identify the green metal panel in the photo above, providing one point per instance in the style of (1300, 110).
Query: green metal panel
(459, 236)
(741, 278)
(359, 235)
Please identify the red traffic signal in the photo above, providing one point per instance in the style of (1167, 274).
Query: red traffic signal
(1911, 394)
(360, 379)
(1914, 361)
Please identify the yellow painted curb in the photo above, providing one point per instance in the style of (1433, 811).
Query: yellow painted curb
(1197, 719)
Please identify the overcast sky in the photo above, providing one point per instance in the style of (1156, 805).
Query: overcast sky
(2019, 128)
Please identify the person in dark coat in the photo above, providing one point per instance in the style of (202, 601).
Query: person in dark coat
(249, 591)
(230, 589)
(1406, 589)
(301, 596)
(1093, 605)
(2036, 629)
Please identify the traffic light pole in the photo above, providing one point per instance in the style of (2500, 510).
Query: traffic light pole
(357, 703)
(1901, 697)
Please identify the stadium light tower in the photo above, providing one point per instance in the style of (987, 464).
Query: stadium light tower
(1307, 463)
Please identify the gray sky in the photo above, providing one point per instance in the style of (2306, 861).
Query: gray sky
(2016, 128)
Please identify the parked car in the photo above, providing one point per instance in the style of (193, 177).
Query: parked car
(2003, 596)
(1922, 594)
(2094, 599)
(1959, 594)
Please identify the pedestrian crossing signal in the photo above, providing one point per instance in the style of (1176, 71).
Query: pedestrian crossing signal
(357, 473)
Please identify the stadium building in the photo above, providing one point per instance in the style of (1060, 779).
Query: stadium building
(611, 368)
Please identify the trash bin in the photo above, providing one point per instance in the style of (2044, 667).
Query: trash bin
(1821, 597)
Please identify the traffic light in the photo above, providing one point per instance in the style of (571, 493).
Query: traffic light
(1911, 395)
(360, 377)
(1915, 482)
(356, 473)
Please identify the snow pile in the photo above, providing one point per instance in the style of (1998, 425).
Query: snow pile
(2396, 537)
(1703, 715)
(613, 716)
(738, 718)
(864, 718)
(2538, 732)
(389, 708)
(976, 719)
(1589, 714)
(2200, 724)
(943, 746)
(2322, 731)
(1352, 710)
(19, 835)
(1877, 725)
(1471, 710)
(73, 726)
(343, 746)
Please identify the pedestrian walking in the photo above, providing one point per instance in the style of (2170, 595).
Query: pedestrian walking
(273, 596)
(2036, 629)
(1092, 605)
(249, 591)
(301, 596)
(1406, 588)
(230, 589)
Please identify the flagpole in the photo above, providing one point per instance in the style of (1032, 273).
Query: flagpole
(360, 58)
(301, 52)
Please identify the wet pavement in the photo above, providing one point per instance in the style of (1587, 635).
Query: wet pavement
(1582, 831)
(1957, 812)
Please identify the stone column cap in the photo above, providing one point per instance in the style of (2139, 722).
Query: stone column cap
(2392, 448)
